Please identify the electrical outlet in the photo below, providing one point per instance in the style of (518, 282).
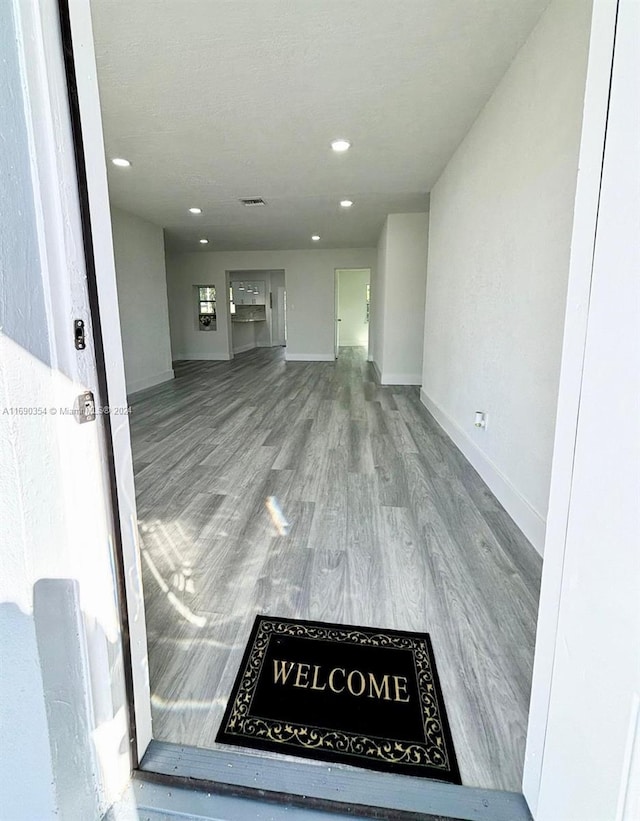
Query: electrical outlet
(481, 419)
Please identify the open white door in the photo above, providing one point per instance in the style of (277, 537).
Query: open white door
(75, 202)
(590, 746)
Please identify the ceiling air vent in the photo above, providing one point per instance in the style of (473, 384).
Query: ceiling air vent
(252, 202)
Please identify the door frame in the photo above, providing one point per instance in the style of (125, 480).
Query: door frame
(336, 308)
(88, 145)
(227, 308)
(280, 307)
(318, 782)
(336, 311)
(586, 204)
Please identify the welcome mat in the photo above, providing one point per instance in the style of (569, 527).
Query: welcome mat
(358, 695)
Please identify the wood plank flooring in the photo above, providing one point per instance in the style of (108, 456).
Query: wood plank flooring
(389, 526)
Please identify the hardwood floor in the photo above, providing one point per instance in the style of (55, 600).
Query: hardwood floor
(389, 526)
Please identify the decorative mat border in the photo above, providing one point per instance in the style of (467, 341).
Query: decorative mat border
(434, 758)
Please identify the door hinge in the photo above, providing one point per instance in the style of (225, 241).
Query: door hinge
(85, 410)
(78, 335)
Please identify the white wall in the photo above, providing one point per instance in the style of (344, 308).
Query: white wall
(310, 279)
(500, 229)
(141, 276)
(184, 272)
(398, 294)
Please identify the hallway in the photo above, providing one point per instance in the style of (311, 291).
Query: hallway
(389, 526)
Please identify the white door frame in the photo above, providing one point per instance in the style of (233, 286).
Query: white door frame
(595, 111)
(573, 350)
(105, 274)
(336, 310)
(336, 300)
(278, 319)
(227, 285)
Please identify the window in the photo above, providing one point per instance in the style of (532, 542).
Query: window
(207, 320)
(232, 304)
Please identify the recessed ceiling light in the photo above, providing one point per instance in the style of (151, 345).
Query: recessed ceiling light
(204, 241)
(195, 210)
(315, 237)
(121, 162)
(341, 145)
(346, 203)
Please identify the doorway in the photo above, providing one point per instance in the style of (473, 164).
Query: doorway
(352, 296)
(257, 310)
(392, 418)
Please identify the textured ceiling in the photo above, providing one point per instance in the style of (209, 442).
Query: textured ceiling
(213, 100)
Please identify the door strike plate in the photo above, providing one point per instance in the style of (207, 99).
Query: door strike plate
(78, 335)
(85, 410)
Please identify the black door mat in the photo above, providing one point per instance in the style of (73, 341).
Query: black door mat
(357, 695)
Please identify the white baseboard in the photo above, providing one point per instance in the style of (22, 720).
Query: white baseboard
(149, 382)
(195, 356)
(401, 379)
(395, 378)
(530, 522)
(309, 357)
(244, 348)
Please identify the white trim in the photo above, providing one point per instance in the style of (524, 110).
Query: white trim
(401, 379)
(150, 381)
(249, 346)
(594, 123)
(98, 193)
(629, 795)
(195, 357)
(309, 357)
(530, 522)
